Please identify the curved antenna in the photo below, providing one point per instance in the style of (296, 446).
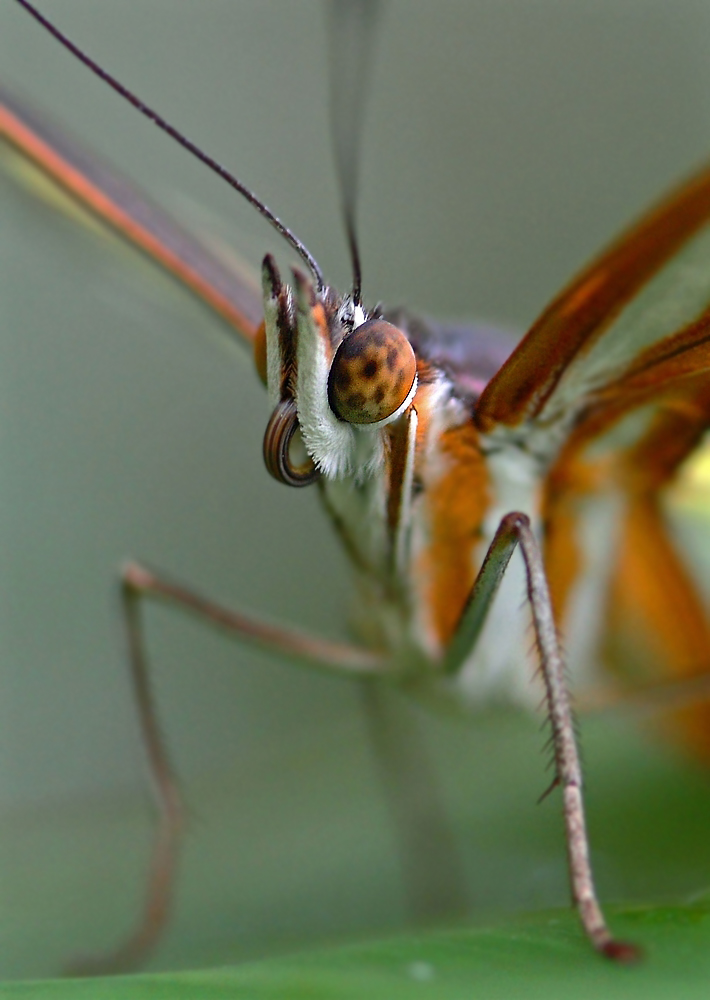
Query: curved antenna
(352, 28)
(182, 140)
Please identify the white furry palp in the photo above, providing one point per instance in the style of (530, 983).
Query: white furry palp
(334, 445)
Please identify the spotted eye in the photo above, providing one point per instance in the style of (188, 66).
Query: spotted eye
(372, 374)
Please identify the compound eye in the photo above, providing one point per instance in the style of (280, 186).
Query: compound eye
(372, 374)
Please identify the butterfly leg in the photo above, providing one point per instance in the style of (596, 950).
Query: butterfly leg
(432, 871)
(515, 531)
(138, 584)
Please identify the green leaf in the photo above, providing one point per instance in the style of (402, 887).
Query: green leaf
(543, 955)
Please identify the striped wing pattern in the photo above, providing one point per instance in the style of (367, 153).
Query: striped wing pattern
(631, 329)
(610, 390)
(220, 283)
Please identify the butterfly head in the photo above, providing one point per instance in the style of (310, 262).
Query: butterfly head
(335, 375)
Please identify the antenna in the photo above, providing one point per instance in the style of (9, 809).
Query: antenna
(182, 140)
(352, 40)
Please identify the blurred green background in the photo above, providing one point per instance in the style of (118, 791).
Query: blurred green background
(505, 143)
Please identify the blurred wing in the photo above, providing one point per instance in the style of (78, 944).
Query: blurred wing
(116, 203)
(622, 356)
(610, 392)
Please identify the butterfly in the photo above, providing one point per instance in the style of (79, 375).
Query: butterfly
(491, 394)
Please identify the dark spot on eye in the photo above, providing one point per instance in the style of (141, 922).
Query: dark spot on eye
(379, 394)
(376, 338)
(341, 377)
(355, 401)
(369, 369)
(392, 358)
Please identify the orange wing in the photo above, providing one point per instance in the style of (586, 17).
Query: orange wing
(636, 315)
(611, 390)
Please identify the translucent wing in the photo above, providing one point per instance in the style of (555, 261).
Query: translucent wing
(630, 330)
(617, 368)
(220, 283)
(610, 391)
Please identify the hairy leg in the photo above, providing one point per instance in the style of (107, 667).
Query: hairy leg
(515, 531)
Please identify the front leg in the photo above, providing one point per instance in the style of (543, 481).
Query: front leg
(515, 530)
(139, 584)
